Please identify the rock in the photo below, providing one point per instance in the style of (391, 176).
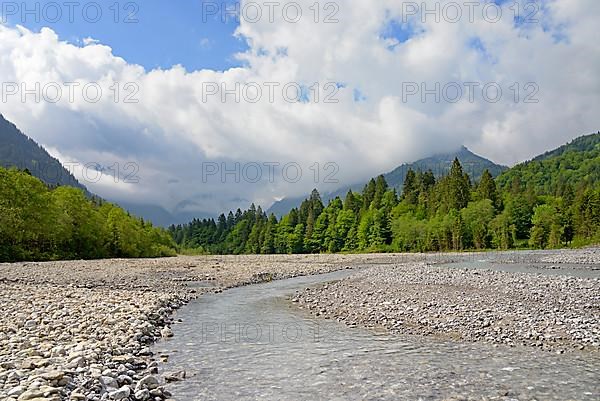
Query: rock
(108, 381)
(48, 390)
(175, 376)
(8, 365)
(30, 395)
(124, 379)
(142, 395)
(166, 332)
(30, 323)
(149, 382)
(120, 394)
(53, 375)
(16, 391)
(44, 399)
(77, 362)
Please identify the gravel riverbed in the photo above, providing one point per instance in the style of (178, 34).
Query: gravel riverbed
(558, 313)
(81, 330)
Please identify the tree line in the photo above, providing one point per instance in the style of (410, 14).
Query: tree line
(38, 222)
(447, 214)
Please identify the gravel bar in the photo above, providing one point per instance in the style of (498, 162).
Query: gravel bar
(558, 313)
(81, 330)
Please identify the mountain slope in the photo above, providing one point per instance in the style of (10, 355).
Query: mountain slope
(20, 151)
(574, 164)
(585, 143)
(439, 164)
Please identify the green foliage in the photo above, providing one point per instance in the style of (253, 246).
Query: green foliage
(486, 189)
(528, 205)
(558, 172)
(519, 211)
(544, 221)
(502, 231)
(587, 213)
(39, 223)
(478, 216)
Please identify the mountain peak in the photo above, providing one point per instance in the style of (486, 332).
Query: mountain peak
(439, 164)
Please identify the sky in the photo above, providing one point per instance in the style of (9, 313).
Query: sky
(186, 105)
(152, 33)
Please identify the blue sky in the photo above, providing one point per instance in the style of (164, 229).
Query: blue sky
(166, 32)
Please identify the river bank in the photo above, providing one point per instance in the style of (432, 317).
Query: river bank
(80, 330)
(541, 308)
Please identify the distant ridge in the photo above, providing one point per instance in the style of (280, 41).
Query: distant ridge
(439, 164)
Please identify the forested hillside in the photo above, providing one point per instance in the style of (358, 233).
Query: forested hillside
(441, 164)
(40, 223)
(561, 171)
(551, 202)
(22, 152)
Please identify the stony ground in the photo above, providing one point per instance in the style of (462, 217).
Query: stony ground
(554, 312)
(80, 330)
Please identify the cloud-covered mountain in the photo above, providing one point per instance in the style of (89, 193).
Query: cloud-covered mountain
(20, 151)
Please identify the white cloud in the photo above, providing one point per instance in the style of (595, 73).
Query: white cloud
(170, 132)
(90, 41)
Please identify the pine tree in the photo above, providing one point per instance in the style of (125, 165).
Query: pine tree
(410, 191)
(459, 187)
(268, 244)
(381, 187)
(352, 202)
(487, 189)
(368, 194)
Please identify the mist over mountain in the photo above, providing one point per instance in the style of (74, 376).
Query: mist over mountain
(160, 216)
(19, 151)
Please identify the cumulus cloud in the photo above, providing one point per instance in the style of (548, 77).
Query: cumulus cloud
(176, 132)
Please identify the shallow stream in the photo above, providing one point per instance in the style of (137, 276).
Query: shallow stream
(252, 343)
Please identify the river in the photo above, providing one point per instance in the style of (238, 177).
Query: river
(252, 343)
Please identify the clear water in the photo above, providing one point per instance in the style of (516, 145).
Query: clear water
(252, 343)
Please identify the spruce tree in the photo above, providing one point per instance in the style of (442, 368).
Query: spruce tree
(410, 191)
